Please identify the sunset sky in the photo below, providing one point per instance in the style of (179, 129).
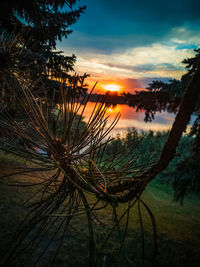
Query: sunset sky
(130, 43)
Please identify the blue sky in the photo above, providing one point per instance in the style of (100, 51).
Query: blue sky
(131, 42)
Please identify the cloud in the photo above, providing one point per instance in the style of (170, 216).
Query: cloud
(144, 43)
(140, 67)
(156, 53)
(184, 37)
(111, 25)
(156, 60)
(145, 67)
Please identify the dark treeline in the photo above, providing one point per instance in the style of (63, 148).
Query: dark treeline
(110, 97)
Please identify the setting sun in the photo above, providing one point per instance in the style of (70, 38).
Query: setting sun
(112, 87)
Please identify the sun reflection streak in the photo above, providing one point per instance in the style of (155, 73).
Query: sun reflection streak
(130, 118)
(114, 109)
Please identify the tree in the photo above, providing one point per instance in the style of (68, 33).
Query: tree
(161, 96)
(47, 21)
(29, 31)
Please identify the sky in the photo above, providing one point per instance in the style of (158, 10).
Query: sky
(129, 43)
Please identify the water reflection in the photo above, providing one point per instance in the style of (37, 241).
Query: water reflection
(130, 118)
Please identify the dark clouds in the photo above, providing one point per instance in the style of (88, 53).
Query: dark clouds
(108, 25)
(141, 39)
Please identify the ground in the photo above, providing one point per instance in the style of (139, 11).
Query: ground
(177, 226)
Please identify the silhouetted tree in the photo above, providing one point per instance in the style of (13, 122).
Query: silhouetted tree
(29, 31)
(161, 96)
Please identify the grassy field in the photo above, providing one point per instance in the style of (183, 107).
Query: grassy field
(178, 229)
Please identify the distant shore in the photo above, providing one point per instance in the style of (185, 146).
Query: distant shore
(113, 99)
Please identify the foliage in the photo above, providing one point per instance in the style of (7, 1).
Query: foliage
(182, 172)
(161, 96)
(48, 20)
(186, 173)
(29, 31)
(72, 156)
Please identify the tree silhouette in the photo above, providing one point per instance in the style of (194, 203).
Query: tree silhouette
(47, 21)
(161, 96)
(29, 31)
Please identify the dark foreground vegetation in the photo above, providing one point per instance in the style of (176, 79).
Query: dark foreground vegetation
(178, 231)
(177, 227)
(182, 172)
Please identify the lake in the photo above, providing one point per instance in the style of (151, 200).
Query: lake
(131, 118)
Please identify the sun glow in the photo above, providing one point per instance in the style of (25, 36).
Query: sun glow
(114, 109)
(112, 87)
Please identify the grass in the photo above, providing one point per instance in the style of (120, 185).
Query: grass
(178, 229)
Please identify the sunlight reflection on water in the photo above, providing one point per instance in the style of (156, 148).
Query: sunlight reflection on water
(130, 118)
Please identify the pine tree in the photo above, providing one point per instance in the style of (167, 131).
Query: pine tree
(29, 31)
